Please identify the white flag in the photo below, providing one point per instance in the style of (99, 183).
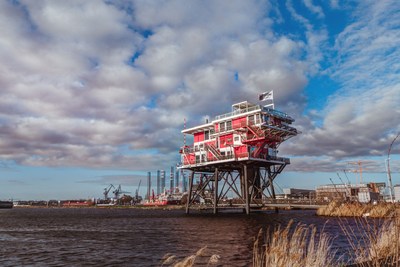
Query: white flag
(266, 96)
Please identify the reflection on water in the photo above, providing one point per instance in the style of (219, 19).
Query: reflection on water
(136, 237)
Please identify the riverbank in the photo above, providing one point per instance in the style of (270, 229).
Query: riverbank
(356, 209)
(164, 207)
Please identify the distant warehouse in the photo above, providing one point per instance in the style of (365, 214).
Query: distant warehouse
(364, 193)
(296, 193)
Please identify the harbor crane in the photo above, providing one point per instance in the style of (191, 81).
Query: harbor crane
(118, 191)
(360, 168)
(137, 197)
(107, 190)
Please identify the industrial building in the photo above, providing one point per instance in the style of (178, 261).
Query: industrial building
(363, 193)
(297, 193)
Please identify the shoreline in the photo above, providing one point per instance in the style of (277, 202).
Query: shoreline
(356, 209)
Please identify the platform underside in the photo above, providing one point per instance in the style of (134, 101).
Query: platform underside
(248, 180)
(234, 164)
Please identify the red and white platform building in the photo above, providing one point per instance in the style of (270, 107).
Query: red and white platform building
(237, 152)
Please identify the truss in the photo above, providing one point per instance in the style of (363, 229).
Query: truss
(248, 182)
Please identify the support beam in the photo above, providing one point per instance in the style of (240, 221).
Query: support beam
(271, 184)
(246, 189)
(189, 198)
(216, 191)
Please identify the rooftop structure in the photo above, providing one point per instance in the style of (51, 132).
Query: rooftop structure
(237, 147)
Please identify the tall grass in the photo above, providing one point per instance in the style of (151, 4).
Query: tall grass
(301, 246)
(356, 209)
(201, 257)
(374, 244)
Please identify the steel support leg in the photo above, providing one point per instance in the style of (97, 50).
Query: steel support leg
(271, 184)
(189, 198)
(216, 191)
(246, 189)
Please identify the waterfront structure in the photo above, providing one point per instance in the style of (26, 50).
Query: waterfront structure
(237, 152)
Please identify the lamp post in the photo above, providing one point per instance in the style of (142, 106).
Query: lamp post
(388, 168)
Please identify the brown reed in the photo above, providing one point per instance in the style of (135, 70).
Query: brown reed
(296, 247)
(198, 257)
(356, 209)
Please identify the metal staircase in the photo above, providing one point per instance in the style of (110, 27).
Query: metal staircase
(214, 150)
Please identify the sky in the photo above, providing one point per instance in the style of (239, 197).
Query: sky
(96, 92)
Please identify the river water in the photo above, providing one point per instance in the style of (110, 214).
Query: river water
(137, 237)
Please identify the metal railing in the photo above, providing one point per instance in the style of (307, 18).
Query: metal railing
(238, 111)
(271, 111)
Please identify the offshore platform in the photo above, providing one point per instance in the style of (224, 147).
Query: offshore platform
(237, 152)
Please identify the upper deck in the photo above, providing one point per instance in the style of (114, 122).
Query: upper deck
(249, 132)
(240, 110)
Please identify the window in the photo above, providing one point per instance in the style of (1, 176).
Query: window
(251, 119)
(229, 125)
(222, 126)
(206, 135)
(236, 139)
(257, 118)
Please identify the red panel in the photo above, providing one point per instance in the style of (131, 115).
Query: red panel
(226, 140)
(241, 151)
(198, 137)
(189, 159)
(239, 122)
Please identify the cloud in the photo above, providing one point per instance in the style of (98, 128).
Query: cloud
(118, 179)
(363, 116)
(108, 84)
(314, 8)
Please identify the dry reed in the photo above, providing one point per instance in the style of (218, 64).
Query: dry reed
(201, 257)
(356, 209)
(374, 243)
(300, 247)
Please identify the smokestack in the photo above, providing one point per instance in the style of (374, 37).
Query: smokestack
(177, 178)
(171, 180)
(162, 181)
(158, 182)
(148, 185)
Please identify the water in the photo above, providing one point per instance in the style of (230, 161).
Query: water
(136, 237)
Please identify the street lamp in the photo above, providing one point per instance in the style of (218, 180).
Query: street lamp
(388, 168)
